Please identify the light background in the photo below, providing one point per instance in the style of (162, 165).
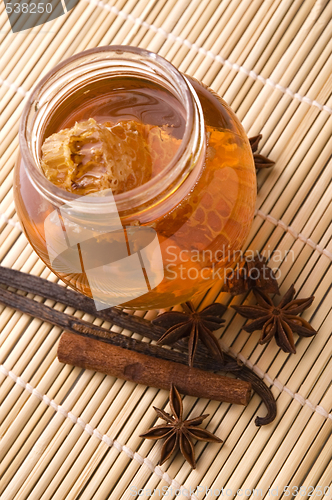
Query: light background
(69, 433)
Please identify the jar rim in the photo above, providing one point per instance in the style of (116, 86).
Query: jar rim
(150, 188)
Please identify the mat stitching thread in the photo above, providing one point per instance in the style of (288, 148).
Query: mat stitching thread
(94, 432)
(276, 222)
(295, 234)
(10, 221)
(14, 87)
(255, 368)
(276, 383)
(208, 53)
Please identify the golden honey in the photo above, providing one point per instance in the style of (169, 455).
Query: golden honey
(185, 170)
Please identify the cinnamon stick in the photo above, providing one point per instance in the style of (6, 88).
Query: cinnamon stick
(137, 367)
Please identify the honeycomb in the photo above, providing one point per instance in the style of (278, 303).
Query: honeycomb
(90, 157)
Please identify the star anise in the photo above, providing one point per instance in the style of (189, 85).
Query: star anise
(260, 160)
(280, 321)
(195, 325)
(251, 273)
(178, 432)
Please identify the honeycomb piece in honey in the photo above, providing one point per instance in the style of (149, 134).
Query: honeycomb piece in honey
(162, 146)
(57, 163)
(90, 157)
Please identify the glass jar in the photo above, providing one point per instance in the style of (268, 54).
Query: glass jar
(200, 205)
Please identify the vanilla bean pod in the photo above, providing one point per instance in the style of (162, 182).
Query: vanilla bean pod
(53, 291)
(47, 289)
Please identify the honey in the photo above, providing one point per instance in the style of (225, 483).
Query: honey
(130, 134)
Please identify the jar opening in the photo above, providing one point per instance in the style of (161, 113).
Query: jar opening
(98, 66)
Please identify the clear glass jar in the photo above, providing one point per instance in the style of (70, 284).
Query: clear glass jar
(201, 205)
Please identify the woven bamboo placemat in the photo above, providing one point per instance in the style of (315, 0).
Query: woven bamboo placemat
(69, 433)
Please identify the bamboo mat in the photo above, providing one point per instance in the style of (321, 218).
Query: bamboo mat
(69, 433)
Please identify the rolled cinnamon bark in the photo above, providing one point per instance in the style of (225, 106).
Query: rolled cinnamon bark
(129, 365)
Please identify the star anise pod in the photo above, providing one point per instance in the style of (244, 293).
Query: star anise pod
(280, 321)
(178, 432)
(260, 160)
(251, 273)
(195, 325)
